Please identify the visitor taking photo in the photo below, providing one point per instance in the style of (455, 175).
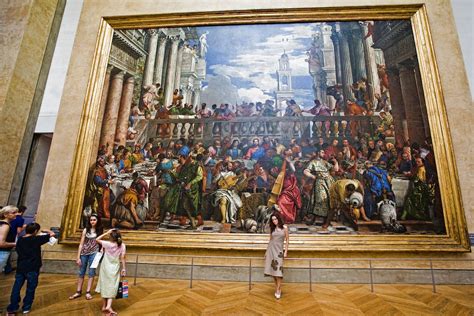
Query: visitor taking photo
(29, 263)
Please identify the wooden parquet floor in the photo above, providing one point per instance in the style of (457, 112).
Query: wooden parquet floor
(174, 297)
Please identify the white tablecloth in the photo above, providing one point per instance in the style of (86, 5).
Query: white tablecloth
(400, 187)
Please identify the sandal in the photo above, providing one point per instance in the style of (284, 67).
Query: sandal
(75, 295)
(88, 296)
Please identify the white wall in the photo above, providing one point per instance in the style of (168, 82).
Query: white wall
(59, 65)
(463, 13)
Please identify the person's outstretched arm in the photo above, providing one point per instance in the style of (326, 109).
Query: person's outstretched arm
(122, 259)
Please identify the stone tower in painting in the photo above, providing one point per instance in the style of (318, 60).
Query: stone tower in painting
(321, 61)
(284, 90)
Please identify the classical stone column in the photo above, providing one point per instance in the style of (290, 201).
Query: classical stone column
(100, 116)
(197, 96)
(411, 100)
(185, 94)
(124, 112)
(398, 107)
(337, 54)
(372, 75)
(190, 94)
(421, 96)
(346, 68)
(160, 58)
(179, 62)
(171, 72)
(150, 58)
(109, 123)
(358, 52)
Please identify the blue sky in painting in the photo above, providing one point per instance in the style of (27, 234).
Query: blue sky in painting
(248, 56)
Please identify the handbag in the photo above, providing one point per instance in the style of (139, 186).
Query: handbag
(97, 259)
(122, 291)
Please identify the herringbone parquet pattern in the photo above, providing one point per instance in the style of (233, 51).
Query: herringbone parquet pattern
(172, 297)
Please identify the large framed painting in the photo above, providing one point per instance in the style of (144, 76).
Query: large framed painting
(197, 129)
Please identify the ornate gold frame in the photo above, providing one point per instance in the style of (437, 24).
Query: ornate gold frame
(456, 238)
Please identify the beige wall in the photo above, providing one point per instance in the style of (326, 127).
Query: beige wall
(447, 49)
(13, 18)
(27, 30)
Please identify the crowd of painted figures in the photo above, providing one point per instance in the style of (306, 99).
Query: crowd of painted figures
(151, 105)
(308, 180)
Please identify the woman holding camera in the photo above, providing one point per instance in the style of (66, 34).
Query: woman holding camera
(109, 277)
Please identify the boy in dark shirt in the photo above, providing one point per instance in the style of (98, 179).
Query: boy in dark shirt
(29, 263)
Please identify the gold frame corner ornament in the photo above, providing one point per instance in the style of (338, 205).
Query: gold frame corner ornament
(456, 238)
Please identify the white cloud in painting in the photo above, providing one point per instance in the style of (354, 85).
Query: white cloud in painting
(300, 30)
(299, 65)
(304, 98)
(232, 71)
(258, 62)
(219, 90)
(265, 81)
(253, 95)
(291, 39)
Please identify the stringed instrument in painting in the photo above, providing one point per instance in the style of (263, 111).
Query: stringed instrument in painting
(234, 182)
(228, 182)
(278, 186)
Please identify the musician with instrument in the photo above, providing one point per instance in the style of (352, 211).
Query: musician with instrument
(225, 196)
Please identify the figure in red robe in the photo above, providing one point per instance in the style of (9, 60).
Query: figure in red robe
(289, 200)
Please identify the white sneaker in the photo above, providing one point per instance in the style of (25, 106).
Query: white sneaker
(277, 295)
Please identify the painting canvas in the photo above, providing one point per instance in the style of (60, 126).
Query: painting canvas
(217, 128)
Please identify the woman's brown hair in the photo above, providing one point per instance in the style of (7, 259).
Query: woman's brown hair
(117, 237)
(280, 221)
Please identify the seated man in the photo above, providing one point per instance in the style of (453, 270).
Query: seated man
(125, 211)
(378, 184)
(137, 155)
(142, 193)
(256, 151)
(225, 197)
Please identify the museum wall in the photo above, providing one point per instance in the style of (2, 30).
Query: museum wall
(28, 37)
(35, 173)
(58, 170)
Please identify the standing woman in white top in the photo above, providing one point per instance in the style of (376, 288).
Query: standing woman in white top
(109, 276)
(279, 240)
(88, 248)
